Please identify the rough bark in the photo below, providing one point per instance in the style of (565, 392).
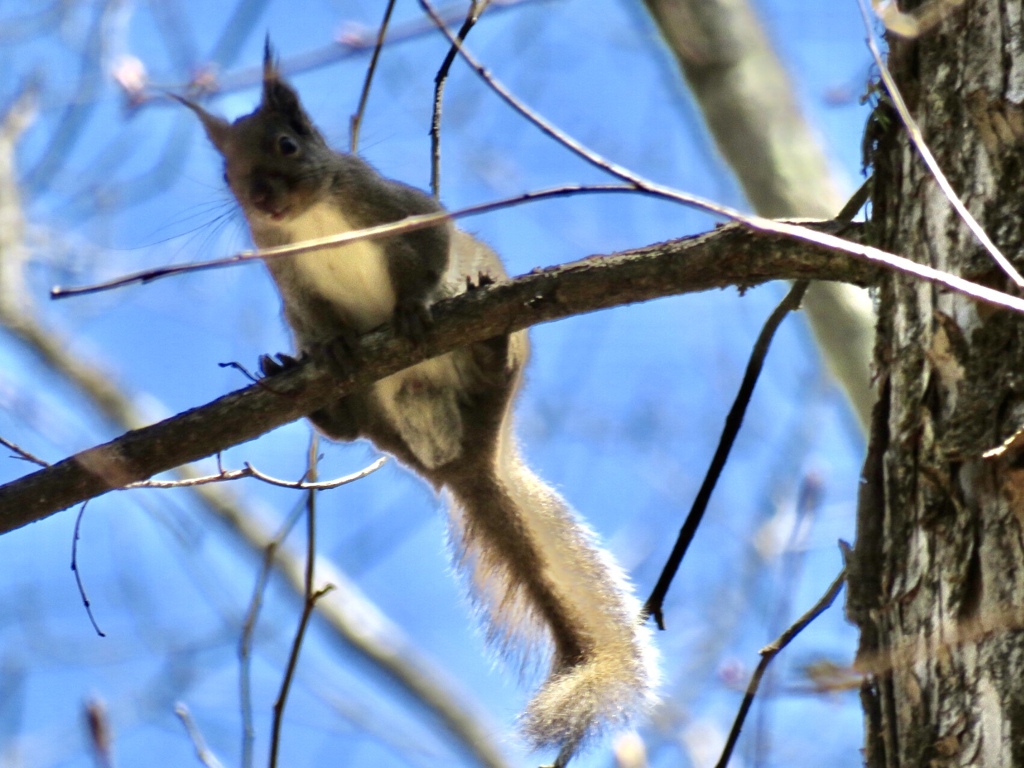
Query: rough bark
(937, 578)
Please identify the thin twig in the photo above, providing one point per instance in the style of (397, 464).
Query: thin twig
(768, 653)
(203, 752)
(245, 642)
(808, 502)
(250, 471)
(78, 575)
(270, 553)
(312, 596)
(357, 118)
(408, 224)
(476, 8)
(799, 232)
(22, 453)
(655, 603)
(917, 139)
(567, 141)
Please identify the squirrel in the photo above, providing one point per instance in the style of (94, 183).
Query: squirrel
(535, 570)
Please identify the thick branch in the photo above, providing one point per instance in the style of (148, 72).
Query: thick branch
(729, 256)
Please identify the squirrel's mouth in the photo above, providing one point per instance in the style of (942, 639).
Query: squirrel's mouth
(272, 213)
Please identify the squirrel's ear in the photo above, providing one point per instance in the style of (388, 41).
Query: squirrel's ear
(279, 96)
(217, 128)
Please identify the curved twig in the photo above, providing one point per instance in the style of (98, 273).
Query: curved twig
(768, 653)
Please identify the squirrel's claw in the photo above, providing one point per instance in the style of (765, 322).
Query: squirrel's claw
(283, 362)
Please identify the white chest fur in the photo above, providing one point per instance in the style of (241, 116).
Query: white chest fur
(353, 277)
(421, 402)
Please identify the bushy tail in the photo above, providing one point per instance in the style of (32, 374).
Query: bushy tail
(538, 574)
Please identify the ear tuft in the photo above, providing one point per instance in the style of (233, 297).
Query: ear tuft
(279, 96)
(270, 71)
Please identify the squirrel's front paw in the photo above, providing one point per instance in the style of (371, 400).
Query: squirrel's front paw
(412, 319)
(272, 364)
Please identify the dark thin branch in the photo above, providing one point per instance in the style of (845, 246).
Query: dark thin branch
(371, 68)
(793, 557)
(655, 603)
(78, 574)
(768, 653)
(729, 256)
(309, 605)
(476, 7)
(653, 606)
(245, 641)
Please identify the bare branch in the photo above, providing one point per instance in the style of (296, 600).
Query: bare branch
(206, 757)
(355, 43)
(408, 224)
(476, 7)
(733, 422)
(312, 595)
(371, 68)
(798, 231)
(250, 471)
(729, 256)
(78, 574)
(769, 652)
(101, 732)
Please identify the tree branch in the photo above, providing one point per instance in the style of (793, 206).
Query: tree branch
(729, 256)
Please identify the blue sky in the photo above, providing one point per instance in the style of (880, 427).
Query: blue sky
(621, 411)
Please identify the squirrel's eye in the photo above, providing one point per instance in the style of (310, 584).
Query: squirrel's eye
(286, 145)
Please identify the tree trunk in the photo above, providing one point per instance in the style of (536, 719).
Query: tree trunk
(936, 581)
